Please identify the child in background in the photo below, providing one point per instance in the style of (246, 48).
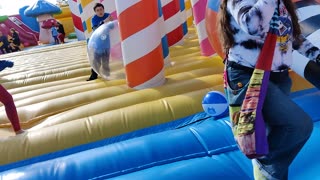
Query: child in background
(54, 32)
(61, 33)
(4, 44)
(15, 40)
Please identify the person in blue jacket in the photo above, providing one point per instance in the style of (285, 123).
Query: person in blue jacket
(4, 44)
(100, 17)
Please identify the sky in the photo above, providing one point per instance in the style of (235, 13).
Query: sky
(11, 7)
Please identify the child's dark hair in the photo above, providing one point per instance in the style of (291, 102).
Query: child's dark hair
(98, 5)
(224, 28)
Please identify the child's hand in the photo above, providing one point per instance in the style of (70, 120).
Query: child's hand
(107, 19)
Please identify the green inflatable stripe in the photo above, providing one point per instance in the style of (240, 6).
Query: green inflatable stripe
(72, 36)
(3, 18)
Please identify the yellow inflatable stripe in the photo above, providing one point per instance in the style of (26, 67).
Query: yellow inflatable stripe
(70, 48)
(47, 102)
(190, 59)
(182, 51)
(63, 82)
(189, 44)
(101, 126)
(38, 89)
(133, 98)
(55, 87)
(41, 97)
(195, 73)
(191, 55)
(48, 70)
(41, 72)
(66, 12)
(197, 64)
(33, 67)
(47, 78)
(53, 106)
(28, 71)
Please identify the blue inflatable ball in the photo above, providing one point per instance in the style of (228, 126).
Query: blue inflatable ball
(215, 104)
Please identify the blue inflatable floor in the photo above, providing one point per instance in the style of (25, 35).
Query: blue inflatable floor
(196, 147)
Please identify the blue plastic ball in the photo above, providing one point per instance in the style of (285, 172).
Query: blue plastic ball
(215, 104)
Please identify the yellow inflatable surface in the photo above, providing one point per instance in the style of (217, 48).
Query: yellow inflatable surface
(61, 109)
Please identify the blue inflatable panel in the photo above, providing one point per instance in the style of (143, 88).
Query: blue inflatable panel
(29, 21)
(204, 149)
(193, 119)
(307, 163)
(231, 165)
(309, 102)
(227, 166)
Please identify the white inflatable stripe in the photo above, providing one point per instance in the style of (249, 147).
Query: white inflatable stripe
(167, 61)
(165, 2)
(115, 34)
(183, 16)
(308, 11)
(122, 5)
(189, 13)
(157, 80)
(87, 12)
(218, 108)
(132, 51)
(193, 2)
(80, 34)
(162, 26)
(173, 22)
(201, 29)
(74, 8)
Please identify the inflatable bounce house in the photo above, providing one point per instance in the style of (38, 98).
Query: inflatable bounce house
(27, 36)
(156, 112)
(33, 23)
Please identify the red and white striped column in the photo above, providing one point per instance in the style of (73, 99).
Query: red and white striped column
(76, 18)
(140, 33)
(199, 11)
(173, 21)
